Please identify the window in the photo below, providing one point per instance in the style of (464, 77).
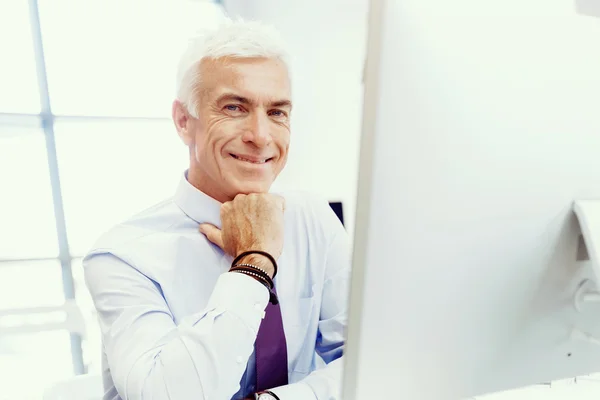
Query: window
(111, 170)
(31, 362)
(28, 227)
(104, 150)
(92, 342)
(18, 77)
(25, 284)
(123, 59)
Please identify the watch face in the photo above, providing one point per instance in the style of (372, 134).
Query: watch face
(266, 396)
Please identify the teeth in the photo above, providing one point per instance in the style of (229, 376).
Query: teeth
(250, 161)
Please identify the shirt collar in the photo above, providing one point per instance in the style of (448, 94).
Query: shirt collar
(195, 204)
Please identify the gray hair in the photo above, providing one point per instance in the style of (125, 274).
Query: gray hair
(236, 39)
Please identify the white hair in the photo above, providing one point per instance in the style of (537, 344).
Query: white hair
(236, 39)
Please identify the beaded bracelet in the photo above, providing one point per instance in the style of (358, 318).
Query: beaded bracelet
(263, 253)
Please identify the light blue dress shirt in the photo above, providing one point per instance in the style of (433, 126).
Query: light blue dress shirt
(176, 325)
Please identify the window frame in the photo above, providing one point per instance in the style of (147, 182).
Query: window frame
(45, 121)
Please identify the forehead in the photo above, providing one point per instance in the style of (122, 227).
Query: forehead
(260, 79)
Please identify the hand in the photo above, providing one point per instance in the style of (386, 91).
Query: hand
(250, 222)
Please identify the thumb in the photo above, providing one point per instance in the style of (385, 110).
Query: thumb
(213, 234)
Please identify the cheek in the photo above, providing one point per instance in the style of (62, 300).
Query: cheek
(221, 132)
(205, 139)
(202, 151)
(284, 144)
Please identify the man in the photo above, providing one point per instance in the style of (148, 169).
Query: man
(178, 320)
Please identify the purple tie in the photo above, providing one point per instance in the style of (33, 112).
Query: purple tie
(271, 351)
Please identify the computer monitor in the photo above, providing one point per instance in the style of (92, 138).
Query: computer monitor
(481, 132)
(588, 7)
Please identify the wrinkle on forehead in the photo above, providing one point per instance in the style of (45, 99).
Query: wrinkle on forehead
(223, 74)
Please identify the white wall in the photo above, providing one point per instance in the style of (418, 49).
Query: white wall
(327, 41)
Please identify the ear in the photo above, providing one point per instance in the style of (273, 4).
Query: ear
(181, 119)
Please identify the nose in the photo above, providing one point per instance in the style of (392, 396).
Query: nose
(258, 131)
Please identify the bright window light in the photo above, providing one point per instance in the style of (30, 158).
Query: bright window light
(112, 169)
(18, 77)
(115, 57)
(28, 228)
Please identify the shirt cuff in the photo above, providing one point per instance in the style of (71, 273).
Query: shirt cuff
(295, 391)
(241, 295)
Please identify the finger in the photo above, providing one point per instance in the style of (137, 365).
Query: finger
(226, 206)
(239, 197)
(282, 202)
(213, 234)
(278, 200)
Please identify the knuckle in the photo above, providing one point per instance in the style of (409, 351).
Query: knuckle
(264, 197)
(275, 200)
(225, 207)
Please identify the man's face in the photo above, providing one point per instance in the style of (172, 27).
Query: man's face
(239, 142)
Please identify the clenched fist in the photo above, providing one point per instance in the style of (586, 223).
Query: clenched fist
(250, 222)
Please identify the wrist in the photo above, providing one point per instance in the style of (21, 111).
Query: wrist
(260, 261)
(266, 395)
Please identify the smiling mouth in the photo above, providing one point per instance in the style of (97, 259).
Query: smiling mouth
(253, 160)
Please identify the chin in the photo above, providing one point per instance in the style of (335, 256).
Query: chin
(253, 187)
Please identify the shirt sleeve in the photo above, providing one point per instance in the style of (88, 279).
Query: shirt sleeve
(322, 384)
(151, 357)
(326, 383)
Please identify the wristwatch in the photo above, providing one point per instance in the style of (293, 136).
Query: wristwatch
(265, 396)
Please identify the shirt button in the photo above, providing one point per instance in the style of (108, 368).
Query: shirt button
(257, 306)
(239, 360)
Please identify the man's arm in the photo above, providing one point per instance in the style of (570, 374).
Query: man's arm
(325, 383)
(150, 357)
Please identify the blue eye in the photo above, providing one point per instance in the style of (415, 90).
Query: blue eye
(232, 107)
(277, 113)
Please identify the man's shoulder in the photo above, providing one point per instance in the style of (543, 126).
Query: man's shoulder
(154, 220)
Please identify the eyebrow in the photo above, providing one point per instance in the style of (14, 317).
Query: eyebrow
(244, 100)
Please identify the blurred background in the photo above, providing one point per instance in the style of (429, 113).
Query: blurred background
(86, 140)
